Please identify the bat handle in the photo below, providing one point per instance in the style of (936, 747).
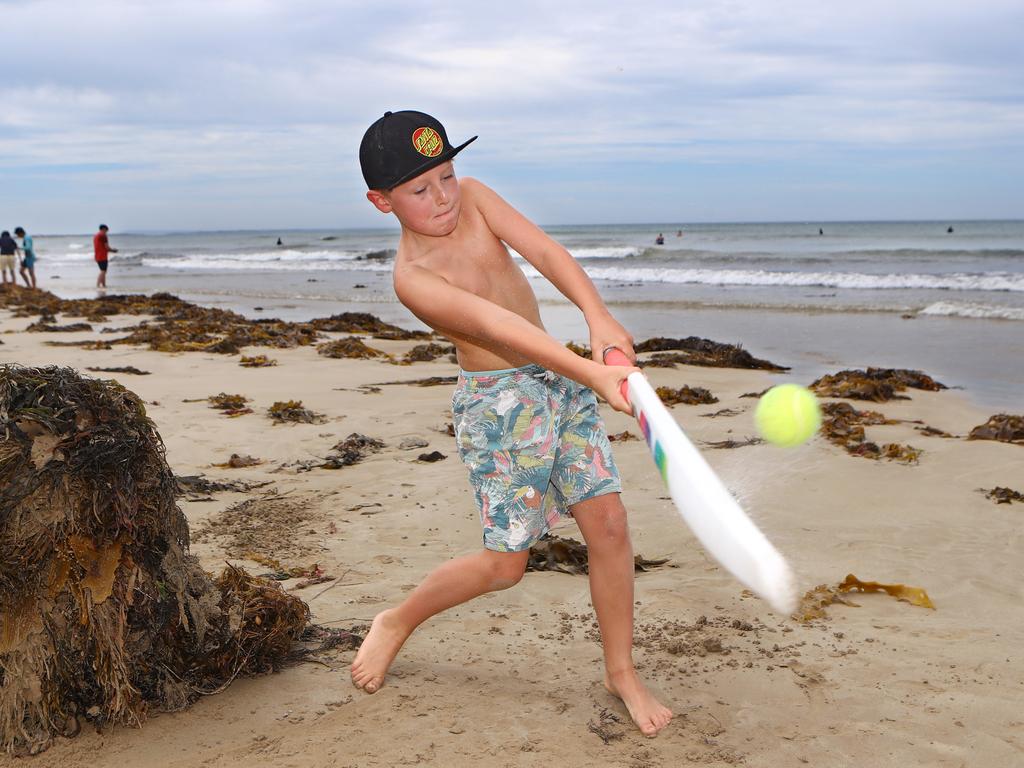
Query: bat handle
(615, 356)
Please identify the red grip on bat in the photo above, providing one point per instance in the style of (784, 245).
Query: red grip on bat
(615, 356)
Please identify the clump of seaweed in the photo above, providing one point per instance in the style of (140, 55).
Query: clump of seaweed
(621, 437)
(351, 450)
(231, 405)
(694, 350)
(351, 346)
(843, 425)
(813, 604)
(424, 353)
(362, 322)
(1001, 427)
(121, 369)
(175, 325)
(284, 411)
(1003, 495)
(103, 613)
(555, 553)
(46, 325)
(256, 361)
(580, 349)
(686, 395)
(876, 384)
(240, 461)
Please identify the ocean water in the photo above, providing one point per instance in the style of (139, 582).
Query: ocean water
(894, 294)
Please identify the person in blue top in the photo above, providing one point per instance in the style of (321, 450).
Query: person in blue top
(28, 260)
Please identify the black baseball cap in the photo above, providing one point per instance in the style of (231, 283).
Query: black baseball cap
(402, 145)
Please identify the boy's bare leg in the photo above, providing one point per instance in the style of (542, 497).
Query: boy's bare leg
(449, 585)
(602, 521)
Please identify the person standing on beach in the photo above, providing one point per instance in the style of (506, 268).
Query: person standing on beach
(28, 260)
(102, 250)
(8, 257)
(525, 414)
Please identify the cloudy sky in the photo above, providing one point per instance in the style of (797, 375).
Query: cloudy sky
(222, 114)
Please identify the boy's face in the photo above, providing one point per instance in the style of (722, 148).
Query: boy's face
(428, 204)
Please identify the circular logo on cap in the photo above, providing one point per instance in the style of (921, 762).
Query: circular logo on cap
(427, 142)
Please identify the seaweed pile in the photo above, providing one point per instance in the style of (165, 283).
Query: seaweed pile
(180, 326)
(686, 395)
(292, 411)
(564, 555)
(362, 322)
(1003, 495)
(103, 613)
(424, 353)
(813, 604)
(351, 450)
(694, 350)
(350, 346)
(876, 384)
(231, 405)
(256, 361)
(843, 425)
(1001, 427)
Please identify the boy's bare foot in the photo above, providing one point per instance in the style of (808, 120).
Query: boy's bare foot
(647, 712)
(378, 650)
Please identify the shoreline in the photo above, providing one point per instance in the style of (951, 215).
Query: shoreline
(885, 681)
(983, 357)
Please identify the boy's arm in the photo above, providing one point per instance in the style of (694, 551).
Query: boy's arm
(461, 314)
(557, 265)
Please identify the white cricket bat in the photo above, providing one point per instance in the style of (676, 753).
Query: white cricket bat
(706, 505)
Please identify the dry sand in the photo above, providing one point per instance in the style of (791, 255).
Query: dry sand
(513, 679)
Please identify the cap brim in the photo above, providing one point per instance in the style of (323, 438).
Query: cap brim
(432, 163)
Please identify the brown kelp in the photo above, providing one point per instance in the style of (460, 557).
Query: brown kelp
(555, 553)
(694, 350)
(876, 384)
(103, 613)
(175, 325)
(843, 425)
(350, 346)
(285, 411)
(686, 395)
(1002, 427)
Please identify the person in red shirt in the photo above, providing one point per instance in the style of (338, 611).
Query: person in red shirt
(102, 250)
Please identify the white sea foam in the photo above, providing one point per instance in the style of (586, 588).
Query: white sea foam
(990, 281)
(605, 252)
(296, 261)
(967, 309)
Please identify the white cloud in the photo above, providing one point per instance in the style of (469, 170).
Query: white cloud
(227, 91)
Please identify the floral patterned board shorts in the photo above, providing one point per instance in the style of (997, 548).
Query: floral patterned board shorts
(534, 445)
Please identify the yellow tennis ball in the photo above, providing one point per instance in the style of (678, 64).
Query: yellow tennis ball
(787, 415)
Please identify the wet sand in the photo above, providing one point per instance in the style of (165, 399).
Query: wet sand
(514, 678)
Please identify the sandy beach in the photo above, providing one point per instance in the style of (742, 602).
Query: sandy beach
(514, 678)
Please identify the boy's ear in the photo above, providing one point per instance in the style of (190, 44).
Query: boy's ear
(379, 200)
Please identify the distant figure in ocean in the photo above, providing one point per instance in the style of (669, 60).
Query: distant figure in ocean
(679, 233)
(821, 231)
(279, 241)
(8, 249)
(101, 250)
(949, 230)
(660, 239)
(28, 258)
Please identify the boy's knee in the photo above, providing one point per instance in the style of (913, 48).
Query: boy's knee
(507, 569)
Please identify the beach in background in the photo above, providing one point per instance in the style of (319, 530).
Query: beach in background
(891, 294)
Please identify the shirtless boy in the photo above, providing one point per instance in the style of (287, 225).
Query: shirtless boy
(525, 414)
